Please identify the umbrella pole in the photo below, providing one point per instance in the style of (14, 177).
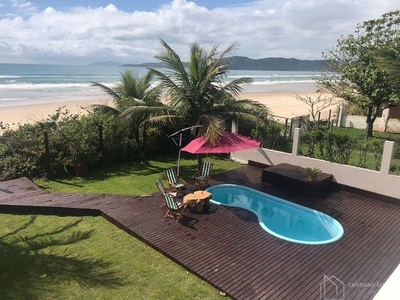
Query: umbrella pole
(179, 153)
(179, 159)
(180, 142)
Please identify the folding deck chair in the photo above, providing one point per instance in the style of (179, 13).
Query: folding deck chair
(203, 174)
(164, 191)
(174, 208)
(175, 182)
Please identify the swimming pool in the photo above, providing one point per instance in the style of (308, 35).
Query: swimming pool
(281, 218)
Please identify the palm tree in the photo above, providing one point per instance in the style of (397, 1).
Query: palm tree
(199, 92)
(135, 102)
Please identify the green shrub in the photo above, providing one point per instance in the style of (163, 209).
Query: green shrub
(315, 143)
(73, 140)
(22, 152)
(328, 146)
(271, 134)
(118, 146)
(372, 146)
(157, 141)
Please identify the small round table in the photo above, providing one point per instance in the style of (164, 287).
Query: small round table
(199, 198)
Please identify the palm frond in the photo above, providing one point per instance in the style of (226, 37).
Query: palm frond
(172, 61)
(114, 94)
(147, 111)
(245, 110)
(105, 109)
(166, 120)
(235, 87)
(199, 92)
(212, 126)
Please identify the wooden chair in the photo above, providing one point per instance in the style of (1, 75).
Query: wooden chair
(203, 174)
(174, 208)
(176, 183)
(164, 191)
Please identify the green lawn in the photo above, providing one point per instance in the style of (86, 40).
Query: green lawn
(132, 178)
(53, 257)
(50, 257)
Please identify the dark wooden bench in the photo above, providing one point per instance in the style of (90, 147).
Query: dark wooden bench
(295, 179)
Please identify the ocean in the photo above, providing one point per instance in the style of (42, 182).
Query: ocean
(28, 84)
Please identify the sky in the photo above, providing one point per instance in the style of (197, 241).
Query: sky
(81, 32)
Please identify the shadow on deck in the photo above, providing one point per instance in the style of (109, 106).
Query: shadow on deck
(229, 249)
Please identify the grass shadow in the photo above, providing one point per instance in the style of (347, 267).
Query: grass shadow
(30, 262)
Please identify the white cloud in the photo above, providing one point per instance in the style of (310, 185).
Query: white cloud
(296, 28)
(23, 6)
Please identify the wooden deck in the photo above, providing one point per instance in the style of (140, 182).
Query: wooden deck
(229, 249)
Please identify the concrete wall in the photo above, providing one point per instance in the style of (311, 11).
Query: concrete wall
(382, 124)
(393, 125)
(357, 122)
(379, 182)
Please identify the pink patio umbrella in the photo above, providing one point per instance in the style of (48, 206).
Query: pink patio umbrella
(228, 142)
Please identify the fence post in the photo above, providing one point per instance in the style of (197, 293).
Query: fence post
(291, 128)
(286, 124)
(329, 118)
(46, 154)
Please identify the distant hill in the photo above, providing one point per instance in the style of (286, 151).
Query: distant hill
(271, 64)
(145, 65)
(276, 64)
(106, 63)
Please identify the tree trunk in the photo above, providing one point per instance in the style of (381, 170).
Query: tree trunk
(369, 130)
(370, 123)
(139, 145)
(144, 139)
(199, 160)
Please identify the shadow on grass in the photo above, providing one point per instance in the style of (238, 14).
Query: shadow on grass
(136, 170)
(139, 169)
(29, 265)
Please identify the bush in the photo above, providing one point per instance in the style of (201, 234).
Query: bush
(157, 142)
(271, 134)
(374, 146)
(329, 146)
(73, 141)
(22, 152)
(118, 146)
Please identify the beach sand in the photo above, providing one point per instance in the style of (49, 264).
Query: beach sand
(281, 104)
(24, 114)
(284, 105)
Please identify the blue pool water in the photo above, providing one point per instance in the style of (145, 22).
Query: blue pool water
(283, 219)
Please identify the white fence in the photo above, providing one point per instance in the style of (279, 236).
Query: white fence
(380, 182)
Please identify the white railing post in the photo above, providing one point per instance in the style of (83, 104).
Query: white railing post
(340, 117)
(386, 157)
(296, 141)
(234, 127)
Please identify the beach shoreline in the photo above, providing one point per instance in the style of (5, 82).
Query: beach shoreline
(282, 104)
(28, 114)
(30, 93)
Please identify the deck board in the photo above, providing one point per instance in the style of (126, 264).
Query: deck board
(229, 249)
